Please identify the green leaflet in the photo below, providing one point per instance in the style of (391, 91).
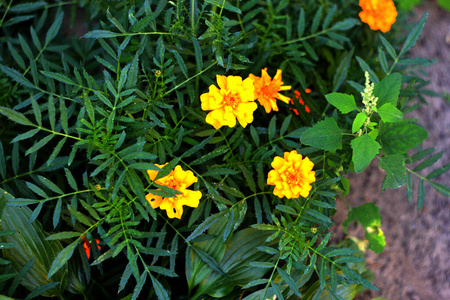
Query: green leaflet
(394, 165)
(364, 150)
(345, 103)
(325, 135)
(31, 242)
(399, 137)
(388, 89)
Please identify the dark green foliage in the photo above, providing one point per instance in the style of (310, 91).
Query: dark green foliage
(83, 118)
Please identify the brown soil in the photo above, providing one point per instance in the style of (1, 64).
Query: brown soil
(416, 261)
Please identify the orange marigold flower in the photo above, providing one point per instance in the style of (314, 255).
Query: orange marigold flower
(87, 245)
(179, 180)
(291, 175)
(379, 14)
(234, 99)
(267, 90)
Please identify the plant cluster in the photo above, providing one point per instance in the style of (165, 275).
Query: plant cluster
(155, 157)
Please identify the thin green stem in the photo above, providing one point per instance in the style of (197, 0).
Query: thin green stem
(6, 11)
(189, 79)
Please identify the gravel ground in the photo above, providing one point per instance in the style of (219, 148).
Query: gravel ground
(416, 261)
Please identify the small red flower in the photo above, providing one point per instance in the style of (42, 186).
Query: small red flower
(87, 245)
(300, 100)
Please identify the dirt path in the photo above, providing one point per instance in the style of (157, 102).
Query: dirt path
(416, 261)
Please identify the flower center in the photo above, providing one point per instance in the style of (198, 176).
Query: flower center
(232, 99)
(270, 90)
(292, 178)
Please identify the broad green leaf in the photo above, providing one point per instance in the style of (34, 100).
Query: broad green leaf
(359, 121)
(31, 244)
(369, 217)
(394, 165)
(390, 113)
(364, 150)
(325, 135)
(388, 89)
(399, 137)
(345, 103)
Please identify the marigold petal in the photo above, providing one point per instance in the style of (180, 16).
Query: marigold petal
(154, 200)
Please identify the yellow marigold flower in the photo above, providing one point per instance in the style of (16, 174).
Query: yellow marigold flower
(379, 14)
(291, 175)
(179, 180)
(267, 90)
(234, 99)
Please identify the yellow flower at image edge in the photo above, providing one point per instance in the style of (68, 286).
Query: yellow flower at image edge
(179, 180)
(267, 90)
(291, 175)
(234, 99)
(379, 14)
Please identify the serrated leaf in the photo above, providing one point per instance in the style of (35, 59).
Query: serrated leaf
(359, 121)
(316, 20)
(388, 89)
(15, 116)
(205, 225)
(50, 185)
(53, 30)
(412, 37)
(63, 235)
(342, 70)
(344, 102)
(389, 48)
(198, 54)
(394, 165)
(364, 150)
(365, 67)
(390, 113)
(325, 135)
(25, 135)
(288, 279)
(101, 34)
(409, 191)
(399, 137)
(443, 189)
(224, 4)
(428, 162)
(272, 127)
(420, 194)
(433, 174)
